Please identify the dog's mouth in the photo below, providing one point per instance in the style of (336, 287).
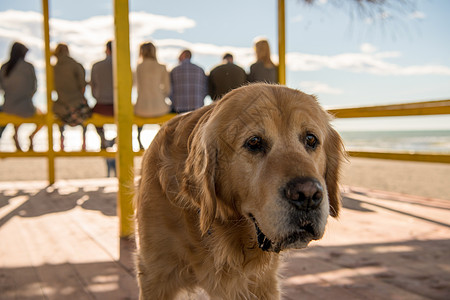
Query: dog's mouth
(300, 238)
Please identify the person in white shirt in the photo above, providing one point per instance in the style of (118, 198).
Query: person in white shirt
(153, 86)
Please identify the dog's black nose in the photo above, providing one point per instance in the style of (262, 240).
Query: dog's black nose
(304, 192)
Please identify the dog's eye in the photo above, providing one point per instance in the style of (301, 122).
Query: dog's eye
(311, 141)
(255, 144)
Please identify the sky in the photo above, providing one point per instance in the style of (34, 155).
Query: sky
(344, 55)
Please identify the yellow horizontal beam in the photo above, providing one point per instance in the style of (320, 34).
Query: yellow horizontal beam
(92, 153)
(158, 120)
(16, 120)
(96, 119)
(65, 154)
(419, 157)
(23, 154)
(440, 107)
(99, 120)
(102, 153)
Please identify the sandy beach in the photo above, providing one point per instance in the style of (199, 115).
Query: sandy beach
(412, 178)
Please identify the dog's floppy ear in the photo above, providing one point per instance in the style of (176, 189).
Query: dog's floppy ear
(334, 149)
(200, 172)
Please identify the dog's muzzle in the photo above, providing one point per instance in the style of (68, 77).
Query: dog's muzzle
(304, 195)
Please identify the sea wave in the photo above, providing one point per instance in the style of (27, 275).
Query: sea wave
(410, 141)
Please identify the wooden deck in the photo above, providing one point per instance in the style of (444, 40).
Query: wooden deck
(61, 242)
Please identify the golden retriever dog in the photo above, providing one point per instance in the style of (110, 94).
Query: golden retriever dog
(226, 188)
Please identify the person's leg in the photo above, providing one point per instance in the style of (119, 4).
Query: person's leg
(38, 127)
(1, 130)
(61, 131)
(139, 137)
(101, 134)
(83, 146)
(16, 137)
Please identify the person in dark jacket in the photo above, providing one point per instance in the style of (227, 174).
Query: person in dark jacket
(102, 89)
(70, 83)
(263, 70)
(18, 81)
(225, 77)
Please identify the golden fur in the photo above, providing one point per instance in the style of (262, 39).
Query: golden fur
(219, 194)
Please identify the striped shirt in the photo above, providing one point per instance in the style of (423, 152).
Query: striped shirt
(189, 87)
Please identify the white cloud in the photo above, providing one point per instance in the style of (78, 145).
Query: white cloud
(368, 48)
(365, 62)
(169, 49)
(297, 19)
(418, 15)
(315, 87)
(143, 23)
(387, 54)
(21, 26)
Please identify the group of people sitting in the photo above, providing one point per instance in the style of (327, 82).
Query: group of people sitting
(159, 91)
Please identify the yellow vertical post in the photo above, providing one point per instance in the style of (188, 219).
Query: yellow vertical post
(123, 116)
(281, 43)
(49, 79)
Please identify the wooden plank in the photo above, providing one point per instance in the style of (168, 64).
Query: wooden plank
(397, 197)
(68, 262)
(18, 278)
(300, 280)
(97, 257)
(316, 272)
(48, 244)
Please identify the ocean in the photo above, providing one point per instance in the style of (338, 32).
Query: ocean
(437, 141)
(408, 140)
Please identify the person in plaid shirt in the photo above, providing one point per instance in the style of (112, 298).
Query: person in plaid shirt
(189, 85)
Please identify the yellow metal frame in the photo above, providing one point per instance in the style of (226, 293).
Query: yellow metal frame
(421, 157)
(123, 116)
(281, 43)
(49, 89)
(440, 107)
